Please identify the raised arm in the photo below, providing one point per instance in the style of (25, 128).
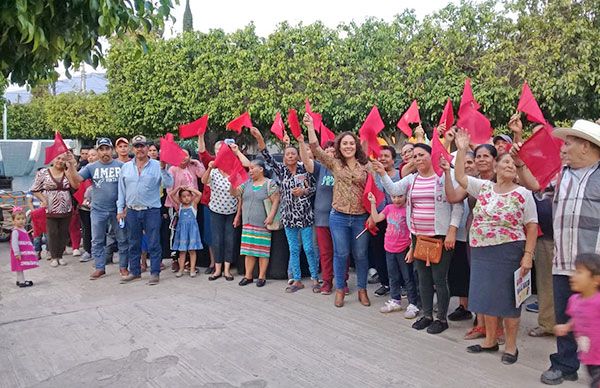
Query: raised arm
(243, 159)
(72, 176)
(197, 195)
(462, 143)
(327, 160)
(201, 144)
(453, 194)
(309, 164)
(526, 178)
(376, 216)
(174, 195)
(206, 176)
(516, 126)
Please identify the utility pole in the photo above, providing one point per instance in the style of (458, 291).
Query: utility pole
(4, 122)
(83, 85)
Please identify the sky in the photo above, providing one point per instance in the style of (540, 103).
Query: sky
(231, 15)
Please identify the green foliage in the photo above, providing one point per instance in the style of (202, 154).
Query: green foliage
(35, 34)
(28, 121)
(188, 20)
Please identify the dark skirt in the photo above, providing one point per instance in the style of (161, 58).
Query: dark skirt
(492, 289)
(459, 273)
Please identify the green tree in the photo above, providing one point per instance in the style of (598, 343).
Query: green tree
(28, 121)
(35, 35)
(188, 20)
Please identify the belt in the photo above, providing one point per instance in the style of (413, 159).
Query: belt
(138, 208)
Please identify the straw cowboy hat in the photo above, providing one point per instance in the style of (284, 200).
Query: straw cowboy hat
(583, 129)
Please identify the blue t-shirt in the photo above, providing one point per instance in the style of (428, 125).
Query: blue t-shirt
(105, 187)
(324, 194)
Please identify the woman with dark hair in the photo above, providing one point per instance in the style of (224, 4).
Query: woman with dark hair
(429, 215)
(502, 238)
(153, 151)
(296, 187)
(350, 167)
(256, 238)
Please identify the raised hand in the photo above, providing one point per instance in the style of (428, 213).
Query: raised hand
(444, 165)
(286, 139)
(462, 139)
(378, 167)
(307, 120)
(255, 133)
(515, 124)
(371, 197)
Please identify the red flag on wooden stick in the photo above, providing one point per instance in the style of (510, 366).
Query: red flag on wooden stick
(239, 122)
(529, 106)
(467, 99)
(476, 124)
(368, 132)
(170, 152)
(438, 150)
(326, 135)
(294, 123)
(227, 162)
(79, 194)
(278, 128)
(541, 154)
(371, 187)
(410, 116)
(317, 118)
(447, 116)
(57, 148)
(193, 129)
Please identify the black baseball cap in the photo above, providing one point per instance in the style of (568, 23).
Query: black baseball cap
(104, 141)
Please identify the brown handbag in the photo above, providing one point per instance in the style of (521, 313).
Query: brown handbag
(428, 249)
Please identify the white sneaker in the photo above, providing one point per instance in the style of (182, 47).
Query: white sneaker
(54, 263)
(411, 312)
(62, 262)
(46, 255)
(390, 306)
(85, 257)
(76, 252)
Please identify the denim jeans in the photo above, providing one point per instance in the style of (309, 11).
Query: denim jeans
(138, 223)
(398, 271)
(377, 254)
(565, 359)
(38, 242)
(293, 240)
(222, 232)
(344, 229)
(101, 220)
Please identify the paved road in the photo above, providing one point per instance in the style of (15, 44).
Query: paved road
(67, 331)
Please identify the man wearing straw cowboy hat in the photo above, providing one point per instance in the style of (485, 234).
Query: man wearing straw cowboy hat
(576, 228)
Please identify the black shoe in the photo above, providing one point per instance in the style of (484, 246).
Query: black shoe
(209, 270)
(556, 377)
(373, 279)
(481, 349)
(460, 314)
(245, 282)
(214, 277)
(261, 282)
(437, 327)
(382, 291)
(422, 323)
(509, 359)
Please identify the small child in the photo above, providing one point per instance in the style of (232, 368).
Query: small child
(584, 310)
(22, 254)
(187, 233)
(398, 251)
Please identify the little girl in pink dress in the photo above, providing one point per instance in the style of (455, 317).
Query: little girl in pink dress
(22, 253)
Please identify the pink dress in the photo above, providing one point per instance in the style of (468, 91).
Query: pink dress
(21, 244)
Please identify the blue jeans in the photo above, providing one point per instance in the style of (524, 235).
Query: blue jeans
(39, 241)
(294, 245)
(223, 233)
(100, 221)
(138, 223)
(344, 229)
(565, 359)
(399, 270)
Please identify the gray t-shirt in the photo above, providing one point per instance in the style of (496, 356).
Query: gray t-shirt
(253, 206)
(324, 194)
(105, 187)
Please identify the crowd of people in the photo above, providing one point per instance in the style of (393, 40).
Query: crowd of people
(462, 234)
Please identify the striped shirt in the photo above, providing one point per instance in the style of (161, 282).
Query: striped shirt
(422, 198)
(576, 217)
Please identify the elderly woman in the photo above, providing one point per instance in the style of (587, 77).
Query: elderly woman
(429, 214)
(296, 187)
(502, 238)
(256, 238)
(51, 186)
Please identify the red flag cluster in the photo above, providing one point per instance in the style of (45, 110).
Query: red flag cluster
(410, 116)
(370, 129)
(278, 129)
(227, 162)
(294, 123)
(193, 129)
(471, 119)
(240, 122)
(57, 148)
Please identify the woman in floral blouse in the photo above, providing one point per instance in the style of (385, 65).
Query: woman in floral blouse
(502, 238)
(296, 187)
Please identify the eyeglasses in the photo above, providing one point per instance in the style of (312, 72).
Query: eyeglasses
(139, 145)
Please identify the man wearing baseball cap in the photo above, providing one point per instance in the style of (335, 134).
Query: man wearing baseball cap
(122, 148)
(502, 143)
(104, 174)
(576, 215)
(139, 205)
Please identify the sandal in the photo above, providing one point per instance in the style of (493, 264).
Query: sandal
(509, 359)
(316, 288)
(229, 278)
(475, 333)
(214, 277)
(294, 287)
(481, 349)
(539, 332)
(26, 283)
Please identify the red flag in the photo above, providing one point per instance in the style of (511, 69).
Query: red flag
(227, 162)
(476, 124)
(438, 150)
(193, 129)
(169, 137)
(542, 157)
(447, 116)
(467, 99)
(371, 187)
(529, 106)
(317, 118)
(238, 123)
(57, 148)
(326, 135)
(81, 191)
(294, 123)
(410, 116)
(278, 128)
(38, 221)
(170, 152)
(370, 129)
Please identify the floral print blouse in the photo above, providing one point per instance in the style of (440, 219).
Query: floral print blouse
(499, 218)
